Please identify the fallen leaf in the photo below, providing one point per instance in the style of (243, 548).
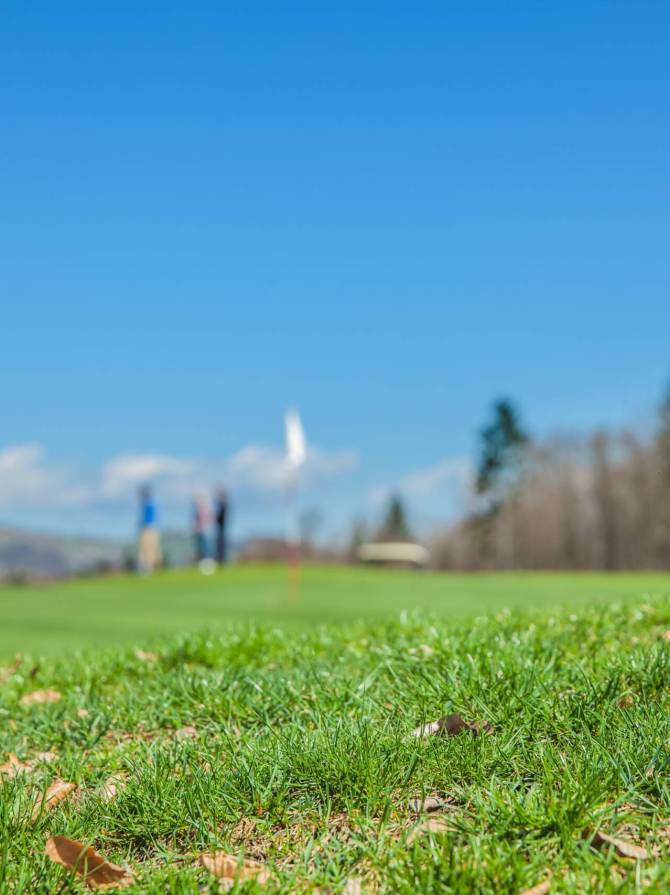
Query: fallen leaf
(626, 701)
(96, 872)
(113, 786)
(666, 635)
(452, 725)
(14, 766)
(437, 824)
(7, 671)
(621, 847)
(225, 866)
(38, 697)
(82, 713)
(353, 886)
(539, 889)
(145, 657)
(58, 790)
(45, 757)
(430, 803)
(186, 733)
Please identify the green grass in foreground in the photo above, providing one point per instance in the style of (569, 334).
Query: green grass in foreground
(123, 609)
(304, 757)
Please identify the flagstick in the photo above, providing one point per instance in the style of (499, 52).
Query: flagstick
(292, 540)
(296, 453)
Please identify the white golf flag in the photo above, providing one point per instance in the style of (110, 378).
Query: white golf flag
(296, 445)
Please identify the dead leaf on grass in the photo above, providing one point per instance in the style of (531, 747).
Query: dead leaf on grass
(44, 757)
(58, 791)
(145, 657)
(539, 889)
(113, 786)
(427, 805)
(353, 886)
(83, 713)
(186, 733)
(666, 635)
(626, 701)
(433, 825)
(39, 697)
(452, 725)
(621, 847)
(96, 872)
(14, 766)
(8, 670)
(225, 866)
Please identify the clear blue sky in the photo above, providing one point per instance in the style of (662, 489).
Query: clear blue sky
(383, 214)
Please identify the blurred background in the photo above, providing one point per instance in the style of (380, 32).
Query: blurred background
(440, 232)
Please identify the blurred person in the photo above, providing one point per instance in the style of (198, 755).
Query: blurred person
(149, 546)
(201, 518)
(220, 520)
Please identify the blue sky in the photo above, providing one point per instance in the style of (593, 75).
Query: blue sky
(383, 214)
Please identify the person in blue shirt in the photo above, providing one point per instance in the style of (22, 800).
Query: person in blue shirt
(149, 546)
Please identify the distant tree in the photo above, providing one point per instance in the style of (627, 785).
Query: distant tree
(395, 526)
(664, 427)
(663, 494)
(604, 488)
(359, 535)
(501, 441)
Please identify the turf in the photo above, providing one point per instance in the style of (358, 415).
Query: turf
(125, 609)
(303, 755)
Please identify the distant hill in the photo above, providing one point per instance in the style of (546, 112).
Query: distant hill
(39, 555)
(33, 554)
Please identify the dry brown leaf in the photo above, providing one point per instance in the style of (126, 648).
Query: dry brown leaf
(186, 733)
(113, 786)
(44, 757)
(8, 670)
(436, 824)
(452, 725)
(145, 657)
(621, 847)
(39, 697)
(82, 713)
(58, 790)
(14, 766)
(666, 635)
(353, 886)
(225, 866)
(626, 701)
(96, 872)
(539, 889)
(427, 805)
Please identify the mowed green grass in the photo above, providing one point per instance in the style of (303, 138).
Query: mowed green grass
(124, 609)
(301, 753)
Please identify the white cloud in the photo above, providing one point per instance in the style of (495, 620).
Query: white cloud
(263, 469)
(256, 468)
(125, 474)
(451, 478)
(29, 479)
(448, 473)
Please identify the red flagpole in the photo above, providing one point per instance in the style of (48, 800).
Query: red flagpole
(292, 542)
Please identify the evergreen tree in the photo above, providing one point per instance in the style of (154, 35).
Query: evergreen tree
(501, 441)
(395, 526)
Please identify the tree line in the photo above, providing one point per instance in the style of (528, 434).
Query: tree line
(595, 501)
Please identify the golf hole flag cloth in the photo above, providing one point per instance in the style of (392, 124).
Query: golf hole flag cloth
(296, 445)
